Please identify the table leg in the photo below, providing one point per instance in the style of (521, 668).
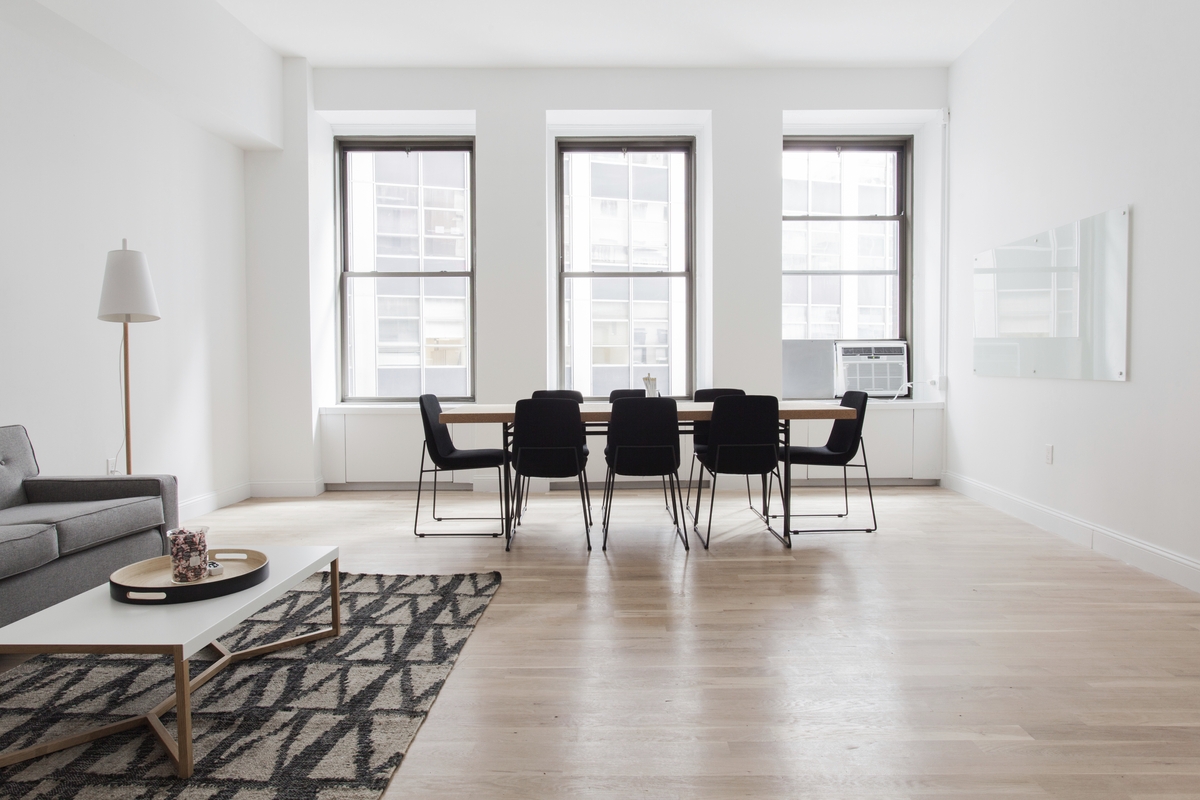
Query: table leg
(183, 715)
(506, 488)
(335, 597)
(179, 747)
(787, 482)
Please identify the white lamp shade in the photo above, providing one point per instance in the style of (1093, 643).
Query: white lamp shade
(128, 293)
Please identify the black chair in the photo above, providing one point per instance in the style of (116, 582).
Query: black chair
(548, 443)
(700, 440)
(445, 456)
(643, 440)
(845, 442)
(620, 394)
(566, 394)
(743, 439)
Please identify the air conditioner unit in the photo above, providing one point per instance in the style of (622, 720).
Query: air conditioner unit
(878, 368)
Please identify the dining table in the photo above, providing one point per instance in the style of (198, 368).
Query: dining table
(596, 416)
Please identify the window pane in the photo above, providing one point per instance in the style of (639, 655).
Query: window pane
(840, 307)
(624, 211)
(850, 182)
(621, 329)
(408, 212)
(834, 297)
(841, 246)
(407, 336)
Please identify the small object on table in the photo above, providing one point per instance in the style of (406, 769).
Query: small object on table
(214, 569)
(651, 385)
(151, 582)
(189, 554)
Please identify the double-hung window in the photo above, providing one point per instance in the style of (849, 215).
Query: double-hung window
(625, 265)
(845, 239)
(408, 269)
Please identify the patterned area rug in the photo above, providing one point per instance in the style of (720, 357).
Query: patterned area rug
(329, 720)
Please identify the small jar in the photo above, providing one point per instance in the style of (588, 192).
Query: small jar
(189, 554)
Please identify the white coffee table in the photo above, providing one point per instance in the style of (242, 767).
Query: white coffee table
(93, 622)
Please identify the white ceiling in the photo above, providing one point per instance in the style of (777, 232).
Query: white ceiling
(618, 33)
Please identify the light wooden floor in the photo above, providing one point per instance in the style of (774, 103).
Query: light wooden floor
(956, 653)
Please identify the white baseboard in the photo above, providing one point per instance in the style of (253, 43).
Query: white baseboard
(198, 506)
(1156, 560)
(286, 488)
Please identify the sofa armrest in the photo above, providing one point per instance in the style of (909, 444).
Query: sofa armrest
(107, 487)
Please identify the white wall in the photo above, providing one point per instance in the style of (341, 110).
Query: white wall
(290, 285)
(513, 290)
(84, 162)
(191, 57)
(511, 105)
(1062, 109)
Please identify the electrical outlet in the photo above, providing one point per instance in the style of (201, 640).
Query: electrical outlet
(1049, 454)
(110, 466)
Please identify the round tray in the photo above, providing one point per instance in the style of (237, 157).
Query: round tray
(149, 582)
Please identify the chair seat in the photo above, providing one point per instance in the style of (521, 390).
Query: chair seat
(86, 524)
(699, 449)
(473, 459)
(816, 456)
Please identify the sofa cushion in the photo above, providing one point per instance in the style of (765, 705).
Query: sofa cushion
(17, 463)
(26, 547)
(87, 524)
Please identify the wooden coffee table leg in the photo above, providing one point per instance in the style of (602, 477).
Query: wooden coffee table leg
(335, 597)
(179, 747)
(183, 715)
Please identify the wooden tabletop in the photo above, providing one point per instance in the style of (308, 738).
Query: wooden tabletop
(602, 412)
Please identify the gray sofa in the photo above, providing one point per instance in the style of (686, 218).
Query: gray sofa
(62, 536)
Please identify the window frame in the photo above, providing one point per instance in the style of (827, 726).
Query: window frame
(344, 146)
(902, 146)
(677, 144)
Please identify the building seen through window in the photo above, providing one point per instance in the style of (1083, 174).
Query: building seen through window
(408, 269)
(842, 241)
(625, 269)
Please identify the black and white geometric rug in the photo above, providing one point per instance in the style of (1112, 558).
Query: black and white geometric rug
(329, 720)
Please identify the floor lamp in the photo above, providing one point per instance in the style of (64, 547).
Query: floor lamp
(127, 296)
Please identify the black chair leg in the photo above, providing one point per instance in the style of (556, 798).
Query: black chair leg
(587, 528)
(417, 511)
(420, 481)
(870, 494)
(712, 496)
(846, 501)
(691, 467)
(677, 510)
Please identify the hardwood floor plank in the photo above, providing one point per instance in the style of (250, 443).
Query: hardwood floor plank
(957, 652)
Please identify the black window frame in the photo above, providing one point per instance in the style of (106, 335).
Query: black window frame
(902, 146)
(344, 146)
(657, 144)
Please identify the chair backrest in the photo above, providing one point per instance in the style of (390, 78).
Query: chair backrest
(619, 394)
(847, 433)
(744, 437)
(548, 438)
(643, 436)
(17, 462)
(700, 429)
(562, 394)
(437, 433)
